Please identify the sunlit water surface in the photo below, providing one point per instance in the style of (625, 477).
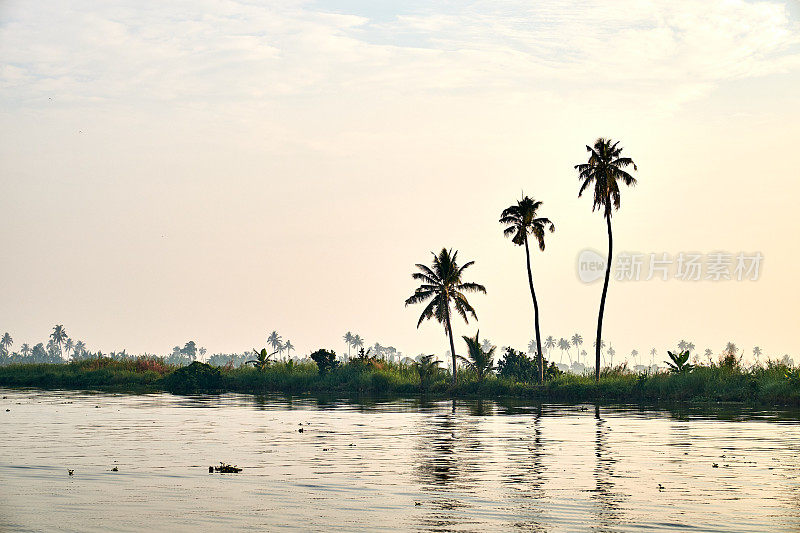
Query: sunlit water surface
(393, 465)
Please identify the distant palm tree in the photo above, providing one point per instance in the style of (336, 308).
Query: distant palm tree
(288, 346)
(68, 347)
(274, 340)
(708, 354)
(80, 348)
(520, 221)
(549, 343)
(6, 342)
(611, 352)
(563, 344)
(59, 336)
(605, 169)
(442, 283)
(348, 338)
(653, 353)
(532, 346)
(683, 345)
(358, 342)
(634, 355)
(25, 349)
(577, 340)
(756, 353)
(690, 346)
(202, 351)
(486, 344)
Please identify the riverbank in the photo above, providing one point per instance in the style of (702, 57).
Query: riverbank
(774, 385)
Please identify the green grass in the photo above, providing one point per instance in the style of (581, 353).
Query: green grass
(771, 385)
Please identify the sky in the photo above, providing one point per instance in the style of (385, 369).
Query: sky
(215, 170)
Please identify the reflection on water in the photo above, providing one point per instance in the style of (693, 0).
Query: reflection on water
(413, 465)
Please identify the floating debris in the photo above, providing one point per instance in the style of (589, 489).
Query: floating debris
(300, 430)
(225, 469)
(714, 465)
(660, 487)
(71, 472)
(115, 469)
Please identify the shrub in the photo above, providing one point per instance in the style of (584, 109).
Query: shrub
(195, 377)
(325, 359)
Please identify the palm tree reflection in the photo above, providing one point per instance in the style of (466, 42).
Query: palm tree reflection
(445, 468)
(608, 508)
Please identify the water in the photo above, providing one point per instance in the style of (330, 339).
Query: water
(388, 466)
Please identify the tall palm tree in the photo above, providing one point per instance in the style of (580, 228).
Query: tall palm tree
(348, 338)
(708, 354)
(634, 355)
(25, 349)
(577, 340)
(520, 221)
(653, 353)
(274, 340)
(442, 284)
(289, 347)
(611, 352)
(6, 342)
(59, 336)
(202, 351)
(756, 353)
(605, 169)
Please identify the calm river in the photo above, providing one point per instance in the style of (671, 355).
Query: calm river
(394, 465)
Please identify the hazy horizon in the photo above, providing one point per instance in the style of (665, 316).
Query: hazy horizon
(213, 171)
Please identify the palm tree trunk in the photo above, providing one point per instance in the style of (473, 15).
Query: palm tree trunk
(535, 313)
(452, 346)
(603, 298)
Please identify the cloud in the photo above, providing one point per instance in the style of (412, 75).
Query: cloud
(231, 52)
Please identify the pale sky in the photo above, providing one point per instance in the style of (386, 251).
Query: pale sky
(214, 170)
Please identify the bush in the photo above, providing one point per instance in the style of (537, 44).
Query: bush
(325, 359)
(195, 377)
(518, 366)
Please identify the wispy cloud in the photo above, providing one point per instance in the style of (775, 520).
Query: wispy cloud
(234, 51)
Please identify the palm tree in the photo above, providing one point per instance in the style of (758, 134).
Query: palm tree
(58, 337)
(682, 345)
(520, 221)
(442, 283)
(68, 347)
(480, 358)
(577, 340)
(611, 352)
(25, 349)
(653, 353)
(604, 169)
(563, 344)
(549, 343)
(756, 353)
(80, 347)
(274, 340)
(532, 346)
(6, 342)
(348, 338)
(486, 345)
(708, 354)
(634, 355)
(202, 351)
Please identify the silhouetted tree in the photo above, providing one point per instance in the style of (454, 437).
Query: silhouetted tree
(520, 221)
(442, 284)
(604, 171)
